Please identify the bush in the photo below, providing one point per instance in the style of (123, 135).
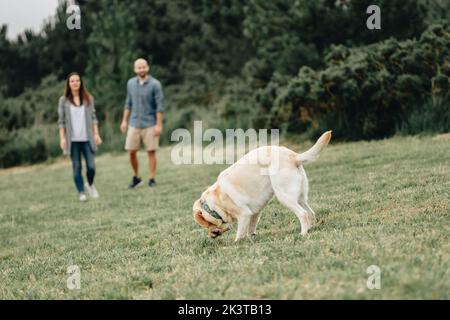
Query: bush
(432, 116)
(368, 92)
(33, 107)
(23, 147)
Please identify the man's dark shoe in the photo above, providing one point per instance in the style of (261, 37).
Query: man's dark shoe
(152, 183)
(135, 182)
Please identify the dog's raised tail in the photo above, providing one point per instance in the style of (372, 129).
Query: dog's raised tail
(313, 153)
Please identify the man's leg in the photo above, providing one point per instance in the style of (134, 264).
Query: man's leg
(152, 163)
(151, 143)
(136, 181)
(134, 162)
(132, 145)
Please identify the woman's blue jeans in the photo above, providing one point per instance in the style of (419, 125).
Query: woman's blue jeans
(76, 150)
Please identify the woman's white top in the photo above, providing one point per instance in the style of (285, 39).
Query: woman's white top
(78, 121)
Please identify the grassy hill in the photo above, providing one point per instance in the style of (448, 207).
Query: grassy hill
(384, 203)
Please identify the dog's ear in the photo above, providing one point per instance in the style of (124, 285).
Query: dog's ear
(198, 217)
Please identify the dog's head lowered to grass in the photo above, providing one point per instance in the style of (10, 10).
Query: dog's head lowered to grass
(209, 219)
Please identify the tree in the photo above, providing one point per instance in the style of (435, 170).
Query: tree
(290, 34)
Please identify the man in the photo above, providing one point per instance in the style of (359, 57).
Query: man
(142, 119)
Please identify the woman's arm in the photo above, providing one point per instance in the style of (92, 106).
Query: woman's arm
(93, 115)
(97, 138)
(62, 125)
(62, 139)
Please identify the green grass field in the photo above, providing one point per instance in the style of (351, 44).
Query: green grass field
(384, 203)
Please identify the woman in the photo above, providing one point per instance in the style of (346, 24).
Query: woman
(78, 132)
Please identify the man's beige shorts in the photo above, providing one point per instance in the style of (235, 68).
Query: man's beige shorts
(136, 135)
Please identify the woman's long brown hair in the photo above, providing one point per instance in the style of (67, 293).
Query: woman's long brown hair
(84, 94)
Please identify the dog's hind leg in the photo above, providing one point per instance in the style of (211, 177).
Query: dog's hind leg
(303, 199)
(291, 203)
(287, 186)
(311, 214)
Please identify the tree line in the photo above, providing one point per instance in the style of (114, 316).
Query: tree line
(301, 66)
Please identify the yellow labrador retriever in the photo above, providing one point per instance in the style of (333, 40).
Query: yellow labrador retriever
(243, 190)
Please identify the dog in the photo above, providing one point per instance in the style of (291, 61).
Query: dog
(244, 189)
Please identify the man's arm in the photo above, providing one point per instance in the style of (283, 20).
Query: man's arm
(126, 116)
(126, 112)
(159, 99)
(158, 127)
